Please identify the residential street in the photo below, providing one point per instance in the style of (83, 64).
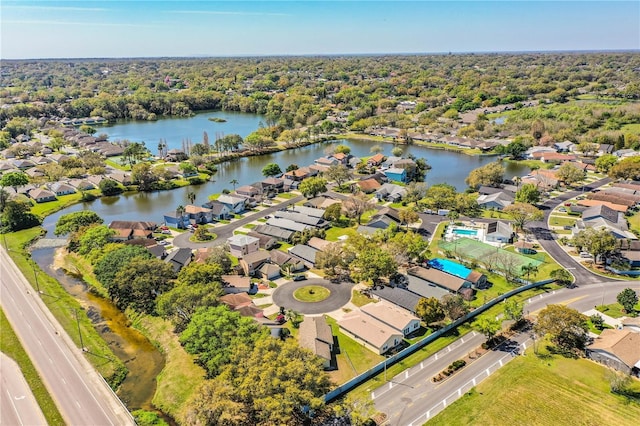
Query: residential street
(81, 395)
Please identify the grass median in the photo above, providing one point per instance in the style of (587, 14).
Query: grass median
(11, 346)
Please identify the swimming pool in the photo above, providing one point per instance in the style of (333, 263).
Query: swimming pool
(463, 231)
(450, 267)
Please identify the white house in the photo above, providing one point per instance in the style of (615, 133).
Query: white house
(241, 245)
(234, 203)
(393, 316)
(375, 335)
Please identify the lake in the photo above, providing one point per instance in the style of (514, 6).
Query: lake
(447, 166)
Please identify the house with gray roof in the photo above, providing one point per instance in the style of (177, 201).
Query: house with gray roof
(252, 262)
(179, 258)
(234, 203)
(603, 217)
(288, 224)
(393, 316)
(374, 334)
(316, 335)
(61, 188)
(317, 222)
(42, 195)
(273, 231)
(304, 252)
(309, 211)
(391, 192)
(430, 282)
(497, 201)
(499, 232)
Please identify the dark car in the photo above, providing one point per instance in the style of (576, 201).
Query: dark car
(299, 277)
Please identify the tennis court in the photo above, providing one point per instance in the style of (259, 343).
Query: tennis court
(487, 254)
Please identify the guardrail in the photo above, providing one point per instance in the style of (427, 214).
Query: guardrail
(363, 377)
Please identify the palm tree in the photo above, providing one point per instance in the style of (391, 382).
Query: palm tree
(191, 196)
(179, 213)
(234, 182)
(529, 269)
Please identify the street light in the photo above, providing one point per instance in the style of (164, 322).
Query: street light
(35, 274)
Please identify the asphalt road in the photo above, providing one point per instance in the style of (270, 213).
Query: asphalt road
(545, 238)
(82, 396)
(18, 406)
(340, 296)
(226, 231)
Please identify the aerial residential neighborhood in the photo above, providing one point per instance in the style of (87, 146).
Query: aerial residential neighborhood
(239, 214)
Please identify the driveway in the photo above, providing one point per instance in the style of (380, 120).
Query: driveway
(340, 296)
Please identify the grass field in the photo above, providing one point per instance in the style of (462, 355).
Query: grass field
(561, 221)
(311, 293)
(359, 299)
(10, 345)
(543, 391)
(615, 310)
(180, 377)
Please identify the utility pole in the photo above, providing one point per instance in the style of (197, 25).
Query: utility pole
(79, 331)
(35, 274)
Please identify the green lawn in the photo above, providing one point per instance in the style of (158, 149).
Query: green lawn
(286, 195)
(353, 358)
(615, 310)
(359, 299)
(333, 233)
(10, 345)
(311, 293)
(561, 221)
(633, 128)
(543, 391)
(494, 214)
(437, 236)
(249, 226)
(180, 377)
(45, 209)
(62, 306)
(634, 222)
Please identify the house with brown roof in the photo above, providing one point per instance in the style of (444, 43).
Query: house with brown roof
(251, 262)
(372, 333)
(236, 300)
(42, 195)
(266, 242)
(375, 160)
(440, 279)
(198, 214)
(393, 316)
(316, 335)
(368, 185)
(618, 349)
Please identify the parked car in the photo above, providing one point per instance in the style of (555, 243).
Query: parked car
(166, 231)
(562, 209)
(300, 277)
(586, 255)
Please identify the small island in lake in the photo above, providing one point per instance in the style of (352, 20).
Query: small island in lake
(217, 120)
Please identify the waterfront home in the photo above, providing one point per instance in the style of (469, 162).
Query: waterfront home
(122, 178)
(219, 211)
(396, 174)
(234, 203)
(198, 214)
(127, 230)
(342, 157)
(248, 190)
(271, 185)
(42, 195)
(327, 161)
(176, 155)
(393, 316)
(375, 160)
(177, 219)
(373, 334)
(61, 188)
(566, 146)
(241, 245)
(297, 175)
(316, 335)
(82, 184)
(251, 262)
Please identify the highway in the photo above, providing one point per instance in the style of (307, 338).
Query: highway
(18, 406)
(82, 396)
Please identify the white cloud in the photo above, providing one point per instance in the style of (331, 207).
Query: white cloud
(227, 13)
(80, 23)
(61, 8)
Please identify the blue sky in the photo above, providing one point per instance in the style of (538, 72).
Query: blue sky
(72, 29)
